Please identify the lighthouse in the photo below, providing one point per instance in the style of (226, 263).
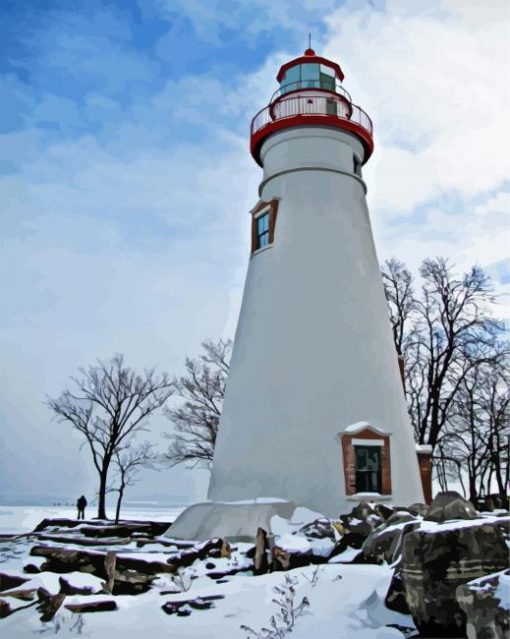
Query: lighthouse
(314, 410)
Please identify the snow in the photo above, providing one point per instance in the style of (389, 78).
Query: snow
(300, 517)
(20, 519)
(342, 599)
(433, 527)
(352, 429)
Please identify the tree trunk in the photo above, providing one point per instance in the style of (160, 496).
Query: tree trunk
(101, 505)
(119, 502)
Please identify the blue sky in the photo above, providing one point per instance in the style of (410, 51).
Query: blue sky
(125, 176)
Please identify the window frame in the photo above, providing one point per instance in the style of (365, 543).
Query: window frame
(259, 211)
(365, 435)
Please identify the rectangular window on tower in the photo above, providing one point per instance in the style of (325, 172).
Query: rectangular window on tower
(263, 225)
(368, 469)
(262, 222)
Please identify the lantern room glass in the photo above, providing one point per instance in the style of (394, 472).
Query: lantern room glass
(308, 76)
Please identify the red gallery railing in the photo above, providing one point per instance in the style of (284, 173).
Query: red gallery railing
(311, 102)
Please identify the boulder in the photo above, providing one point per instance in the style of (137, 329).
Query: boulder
(436, 559)
(450, 505)
(486, 604)
(396, 595)
(384, 544)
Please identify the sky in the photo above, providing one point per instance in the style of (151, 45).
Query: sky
(126, 181)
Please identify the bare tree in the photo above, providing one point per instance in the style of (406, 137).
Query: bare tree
(398, 287)
(110, 406)
(475, 440)
(443, 332)
(196, 419)
(455, 364)
(128, 464)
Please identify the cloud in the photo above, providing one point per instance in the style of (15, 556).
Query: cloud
(432, 83)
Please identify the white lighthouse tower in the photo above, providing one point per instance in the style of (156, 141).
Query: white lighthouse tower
(314, 410)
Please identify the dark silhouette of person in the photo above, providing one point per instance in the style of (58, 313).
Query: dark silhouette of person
(81, 504)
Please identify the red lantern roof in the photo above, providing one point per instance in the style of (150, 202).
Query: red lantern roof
(309, 57)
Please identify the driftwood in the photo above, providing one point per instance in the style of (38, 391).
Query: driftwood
(48, 604)
(260, 563)
(92, 606)
(182, 608)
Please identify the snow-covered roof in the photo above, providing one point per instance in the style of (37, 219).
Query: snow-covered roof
(423, 448)
(359, 426)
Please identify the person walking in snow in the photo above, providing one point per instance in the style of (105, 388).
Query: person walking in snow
(81, 504)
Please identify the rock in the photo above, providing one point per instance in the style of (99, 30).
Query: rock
(349, 540)
(57, 523)
(399, 517)
(225, 550)
(182, 608)
(319, 529)
(396, 596)
(132, 575)
(10, 581)
(92, 606)
(362, 511)
(339, 527)
(450, 505)
(418, 509)
(109, 566)
(210, 548)
(64, 560)
(48, 604)
(436, 560)
(260, 563)
(68, 589)
(486, 603)
(31, 569)
(5, 608)
(384, 544)
(27, 594)
(384, 511)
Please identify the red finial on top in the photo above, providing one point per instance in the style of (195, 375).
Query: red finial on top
(309, 52)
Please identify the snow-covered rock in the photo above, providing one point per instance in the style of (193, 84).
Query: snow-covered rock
(437, 558)
(486, 603)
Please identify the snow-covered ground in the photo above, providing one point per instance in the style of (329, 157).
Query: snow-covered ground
(18, 519)
(345, 601)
